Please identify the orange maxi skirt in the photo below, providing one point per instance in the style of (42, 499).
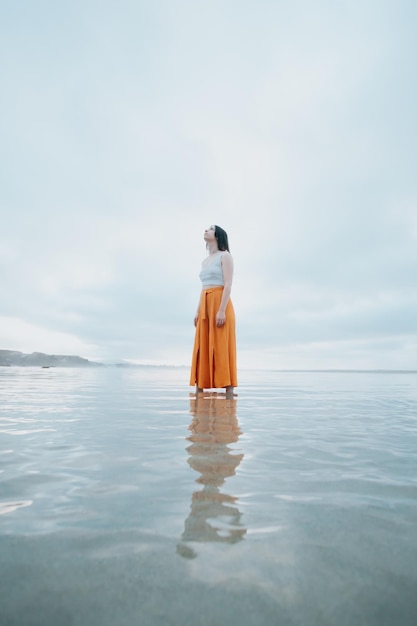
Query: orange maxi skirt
(214, 355)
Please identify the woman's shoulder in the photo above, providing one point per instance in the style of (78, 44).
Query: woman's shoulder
(226, 256)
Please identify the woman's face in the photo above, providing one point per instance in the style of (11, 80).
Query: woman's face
(209, 234)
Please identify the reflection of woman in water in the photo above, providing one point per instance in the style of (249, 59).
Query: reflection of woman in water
(214, 516)
(214, 355)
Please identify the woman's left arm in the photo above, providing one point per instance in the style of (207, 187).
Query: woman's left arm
(227, 267)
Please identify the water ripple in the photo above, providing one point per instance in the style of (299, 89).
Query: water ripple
(300, 495)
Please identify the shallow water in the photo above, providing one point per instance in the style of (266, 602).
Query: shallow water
(124, 500)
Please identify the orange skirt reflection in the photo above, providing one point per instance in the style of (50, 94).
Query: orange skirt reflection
(214, 355)
(214, 515)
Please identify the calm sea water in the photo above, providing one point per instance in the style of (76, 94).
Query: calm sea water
(126, 501)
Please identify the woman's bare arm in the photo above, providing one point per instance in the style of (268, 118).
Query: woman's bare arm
(227, 266)
(197, 313)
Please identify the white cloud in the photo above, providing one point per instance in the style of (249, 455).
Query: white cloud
(130, 130)
(16, 334)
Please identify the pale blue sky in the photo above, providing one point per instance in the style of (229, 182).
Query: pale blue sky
(129, 127)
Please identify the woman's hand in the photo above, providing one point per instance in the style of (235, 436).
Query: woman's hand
(220, 318)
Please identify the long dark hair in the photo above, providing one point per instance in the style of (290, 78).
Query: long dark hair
(221, 236)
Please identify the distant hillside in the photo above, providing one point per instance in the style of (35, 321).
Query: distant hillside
(39, 359)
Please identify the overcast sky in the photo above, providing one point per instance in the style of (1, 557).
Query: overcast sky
(128, 127)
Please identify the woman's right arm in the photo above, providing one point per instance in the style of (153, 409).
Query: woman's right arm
(196, 315)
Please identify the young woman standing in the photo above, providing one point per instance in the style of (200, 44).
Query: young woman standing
(214, 354)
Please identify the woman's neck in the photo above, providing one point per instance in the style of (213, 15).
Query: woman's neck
(212, 249)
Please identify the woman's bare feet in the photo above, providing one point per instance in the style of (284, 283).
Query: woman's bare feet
(229, 392)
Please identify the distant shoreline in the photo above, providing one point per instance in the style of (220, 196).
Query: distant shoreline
(14, 358)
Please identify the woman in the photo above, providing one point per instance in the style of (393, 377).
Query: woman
(214, 355)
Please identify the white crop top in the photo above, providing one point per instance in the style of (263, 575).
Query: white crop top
(212, 274)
